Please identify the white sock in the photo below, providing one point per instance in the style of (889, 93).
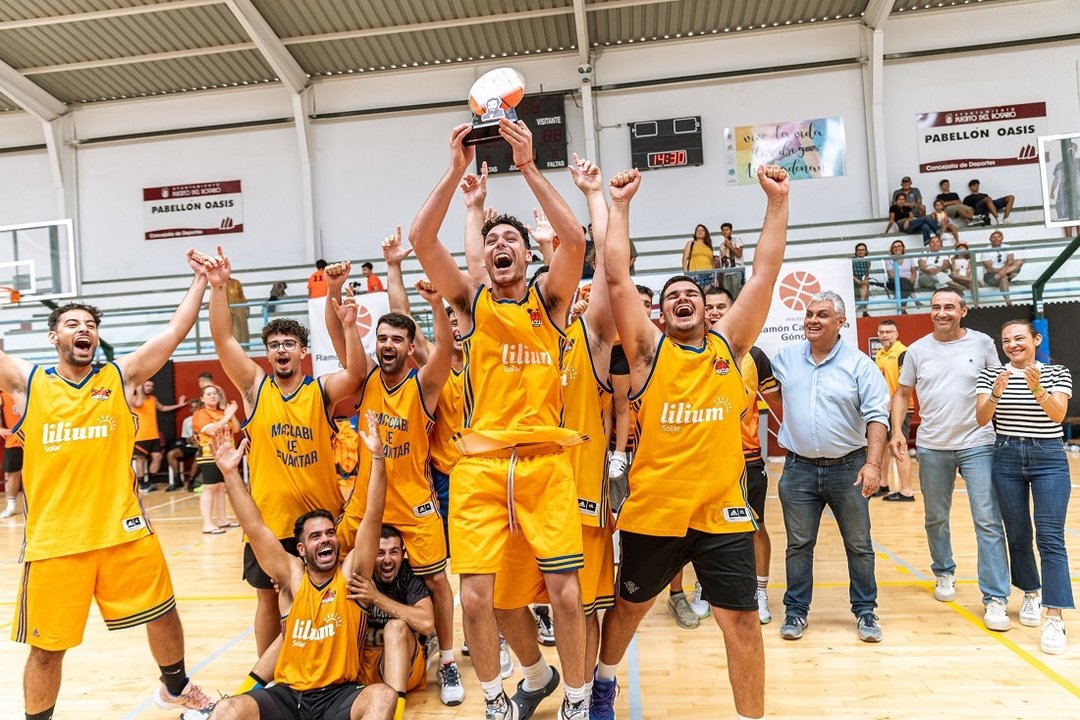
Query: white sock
(619, 454)
(606, 672)
(537, 675)
(762, 582)
(491, 688)
(576, 695)
(446, 656)
(11, 503)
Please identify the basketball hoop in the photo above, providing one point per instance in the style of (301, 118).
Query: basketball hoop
(9, 295)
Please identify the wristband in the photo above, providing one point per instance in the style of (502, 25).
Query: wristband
(1045, 398)
(877, 465)
(524, 164)
(994, 398)
(378, 457)
(1037, 388)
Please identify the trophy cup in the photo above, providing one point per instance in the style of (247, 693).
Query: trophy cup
(492, 97)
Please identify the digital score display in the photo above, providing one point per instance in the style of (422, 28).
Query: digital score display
(657, 144)
(545, 116)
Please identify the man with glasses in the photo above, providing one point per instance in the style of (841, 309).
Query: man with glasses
(288, 420)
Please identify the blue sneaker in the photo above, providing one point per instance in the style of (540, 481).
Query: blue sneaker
(602, 704)
(527, 700)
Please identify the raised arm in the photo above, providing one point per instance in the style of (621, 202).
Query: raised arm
(560, 284)
(361, 559)
(457, 287)
(14, 374)
(742, 324)
(346, 382)
(242, 370)
(474, 192)
(590, 182)
(277, 563)
(180, 402)
(394, 254)
(433, 375)
(639, 336)
(544, 235)
(140, 365)
(335, 276)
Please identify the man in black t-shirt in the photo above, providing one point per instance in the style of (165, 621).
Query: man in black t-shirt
(983, 204)
(953, 207)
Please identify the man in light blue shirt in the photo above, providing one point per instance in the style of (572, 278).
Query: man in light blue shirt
(836, 410)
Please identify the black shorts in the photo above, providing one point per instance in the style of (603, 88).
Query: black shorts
(906, 428)
(757, 484)
(187, 452)
(255, 576)
(280, 702)
(13, 459)
(619, 364)
(211, 474)
(147, 447)
(724, 564)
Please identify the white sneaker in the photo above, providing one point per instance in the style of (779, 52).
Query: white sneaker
(506, 663)
(997, 615)
(701, 607)
(9, 511)
(946, 588)
(451, 693)
(1031, 610)
(192, 698)
(1053, 636)
(616, 465)
(763, 606)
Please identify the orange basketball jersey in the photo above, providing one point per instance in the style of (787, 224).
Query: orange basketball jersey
(147, 428)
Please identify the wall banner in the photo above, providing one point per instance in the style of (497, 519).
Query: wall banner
(193, 210)
(805, 148)
(983, 137)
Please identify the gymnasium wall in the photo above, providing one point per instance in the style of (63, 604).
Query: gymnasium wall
(374, 171)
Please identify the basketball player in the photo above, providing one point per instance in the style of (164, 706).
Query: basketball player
(290, 427)
(13, 456)
(687, 499)
(318, 669)
(148, 436)
(514, 475)
(87, 536)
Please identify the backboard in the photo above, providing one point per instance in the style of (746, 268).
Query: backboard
(37, 260)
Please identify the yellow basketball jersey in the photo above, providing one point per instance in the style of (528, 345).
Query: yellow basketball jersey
(688, 471)
(889, 362)
(444, 454)
(292, 455)
(757, 377)
(513, 388)
(147, 428)
(587, 399)
(404, 424)
(323, 637)
(80, 489)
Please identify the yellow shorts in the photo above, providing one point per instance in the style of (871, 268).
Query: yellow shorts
(371, 667)
(545, 509)
(425, 543)
(519, 581)
(130, 583)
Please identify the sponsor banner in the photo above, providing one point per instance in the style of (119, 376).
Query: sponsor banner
(974, 138)
(798, 281)
(177, 211)
(324, 360)
(805, 148)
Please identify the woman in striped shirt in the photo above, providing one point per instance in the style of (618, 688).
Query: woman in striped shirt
(1027, 401)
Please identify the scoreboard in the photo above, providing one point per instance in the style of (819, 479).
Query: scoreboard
(674, 142)
(545, 115)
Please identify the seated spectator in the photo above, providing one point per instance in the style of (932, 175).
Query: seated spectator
(277, 291)
(901, 215)
(902, 269)
(961, 268)
(951, 201)
(983, 204)
(934, 269)
(860, 270)
(374, 284)
(1001, 265)
(944, 223)
(914, 196)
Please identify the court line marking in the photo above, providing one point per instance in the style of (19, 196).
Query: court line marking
(634, 681)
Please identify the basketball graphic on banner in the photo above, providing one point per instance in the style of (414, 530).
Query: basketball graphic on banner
(797, 288)
(363, 321)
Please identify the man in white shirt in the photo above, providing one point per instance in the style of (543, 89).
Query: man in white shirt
(731, 256)
(1000, 265)
(934, 269)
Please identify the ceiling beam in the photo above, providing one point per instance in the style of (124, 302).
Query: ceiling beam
(876, 13)
(581, 31)
(29, 96)
(269, 44)
(105, 14)
(136, 59)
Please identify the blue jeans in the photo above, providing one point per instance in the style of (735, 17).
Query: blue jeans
(937, 475)
(927, 226)
(805, 490)
(1023, 468)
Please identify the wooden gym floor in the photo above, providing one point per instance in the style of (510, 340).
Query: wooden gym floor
(936, 660)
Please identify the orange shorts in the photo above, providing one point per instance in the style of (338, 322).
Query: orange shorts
(130, 583)
(519, 581)
(371, 664)
(425, 543)
(545, 508)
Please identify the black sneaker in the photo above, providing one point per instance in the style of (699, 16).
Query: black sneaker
(545, 629)
(527, 700)
(173, 487)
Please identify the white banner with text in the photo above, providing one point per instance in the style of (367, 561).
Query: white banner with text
(324, 360)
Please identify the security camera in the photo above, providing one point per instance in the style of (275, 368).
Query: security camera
(584, 69)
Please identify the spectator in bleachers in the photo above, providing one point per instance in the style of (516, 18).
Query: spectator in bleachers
(953, 206)
(914, 196)
(731, 256)
(944, 222)
(961, 274)
(902, 269)
(1000, 265)
(316, 283)
(699, 257)
(902, 216)
(860, 270)
(374, 284)
(986, 206)
(277, 291)
(934, 269)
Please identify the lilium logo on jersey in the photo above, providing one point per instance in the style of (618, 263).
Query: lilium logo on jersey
(101, 393)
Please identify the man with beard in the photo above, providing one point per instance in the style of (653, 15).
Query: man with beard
(687, 498)
(289, 423)
(514, 475)
(317, 675)
(86, 534)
